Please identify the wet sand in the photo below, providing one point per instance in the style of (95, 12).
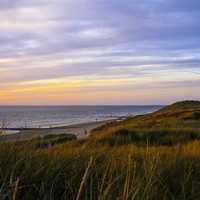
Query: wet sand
(80, 130)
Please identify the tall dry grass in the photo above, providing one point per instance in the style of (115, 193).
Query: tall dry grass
(118, 172)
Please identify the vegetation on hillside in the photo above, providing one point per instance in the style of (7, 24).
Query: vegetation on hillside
(154, 156)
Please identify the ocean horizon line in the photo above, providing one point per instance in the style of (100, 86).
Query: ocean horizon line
(82, 105)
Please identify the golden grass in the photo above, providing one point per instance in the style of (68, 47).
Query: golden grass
(118, 172)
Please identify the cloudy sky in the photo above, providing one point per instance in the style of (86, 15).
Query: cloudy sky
(99, 51)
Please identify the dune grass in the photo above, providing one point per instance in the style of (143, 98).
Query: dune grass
(132, 159)
(120, 172)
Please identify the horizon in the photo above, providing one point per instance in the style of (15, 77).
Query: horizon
(106, 53)
(82, 105)
(63, 105)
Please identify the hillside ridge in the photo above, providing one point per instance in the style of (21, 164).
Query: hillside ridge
(181, 105)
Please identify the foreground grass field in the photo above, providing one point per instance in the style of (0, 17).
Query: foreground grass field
(155, 156)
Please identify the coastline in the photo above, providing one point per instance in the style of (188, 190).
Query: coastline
(81, 130)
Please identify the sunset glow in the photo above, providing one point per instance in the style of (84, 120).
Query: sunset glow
(99, 52)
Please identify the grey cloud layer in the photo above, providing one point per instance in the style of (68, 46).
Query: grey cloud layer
(157, 29)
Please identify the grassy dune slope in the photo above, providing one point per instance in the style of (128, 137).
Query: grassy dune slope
(178, 123)
(155, 156)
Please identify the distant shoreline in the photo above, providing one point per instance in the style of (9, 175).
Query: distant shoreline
(81, 130)
(52, 117)
(73, 125)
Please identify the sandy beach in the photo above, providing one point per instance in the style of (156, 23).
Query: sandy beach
(80, 130)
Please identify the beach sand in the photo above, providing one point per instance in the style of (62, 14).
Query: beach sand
(80, 130)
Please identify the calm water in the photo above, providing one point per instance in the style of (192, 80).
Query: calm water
(46, 116)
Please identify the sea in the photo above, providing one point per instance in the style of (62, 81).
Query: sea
(55, 116)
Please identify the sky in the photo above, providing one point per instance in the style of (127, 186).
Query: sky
(89, 52)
